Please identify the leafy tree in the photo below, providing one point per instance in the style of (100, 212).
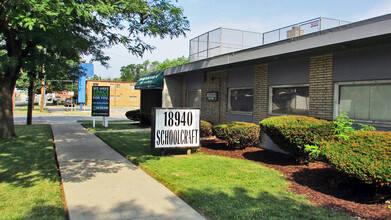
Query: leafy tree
(132, 72)
(171, 63)
(96, 77)
(55, 34)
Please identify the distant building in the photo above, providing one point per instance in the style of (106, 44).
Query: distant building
(121, 93)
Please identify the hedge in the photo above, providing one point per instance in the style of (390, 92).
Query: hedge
(137, 115)
(365, 155)
(292, 133)
(133, 115)
(205, 129)
(238, 135)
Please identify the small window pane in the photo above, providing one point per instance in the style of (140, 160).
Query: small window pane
(118, 97)
(111, 85)
(241, 100)
(354, 100)
(366, 102)
(132, 98)
(111, 97)
(131, 87)
(118, 86)
(290, 100)
(380, 102)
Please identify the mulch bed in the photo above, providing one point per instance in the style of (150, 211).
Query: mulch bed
(314, 180)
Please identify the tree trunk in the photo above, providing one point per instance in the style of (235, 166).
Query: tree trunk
(31, 96)
(6, 113)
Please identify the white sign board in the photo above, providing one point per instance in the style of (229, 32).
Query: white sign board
(175, 127)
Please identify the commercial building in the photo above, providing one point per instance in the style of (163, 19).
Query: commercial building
(321, 74)
(121, 93)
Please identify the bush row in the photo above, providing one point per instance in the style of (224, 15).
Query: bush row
(363, 155)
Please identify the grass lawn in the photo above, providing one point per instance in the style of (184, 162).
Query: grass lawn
(221, 187)
(112, 126)
(36, 111)
(29, 182)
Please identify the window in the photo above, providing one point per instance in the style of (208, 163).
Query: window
(290, 100)
(194, 98)
(112, 86)
(132, 98)
(240, 99)
(94, 84)
(118, 86)
(368, 100)
(131, 86)
(118, 97)
(111, 97)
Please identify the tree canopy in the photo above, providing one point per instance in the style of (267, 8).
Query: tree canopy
(132, 72)
(54, 34)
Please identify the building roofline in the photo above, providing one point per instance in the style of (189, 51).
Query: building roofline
(356, 31)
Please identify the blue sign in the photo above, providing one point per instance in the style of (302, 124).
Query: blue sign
(100, 101)
(88, 69)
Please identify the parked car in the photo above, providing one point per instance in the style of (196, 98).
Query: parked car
(67, 102)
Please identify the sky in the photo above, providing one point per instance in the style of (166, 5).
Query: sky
(250, 15)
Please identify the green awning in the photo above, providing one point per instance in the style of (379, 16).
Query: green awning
(150, 81)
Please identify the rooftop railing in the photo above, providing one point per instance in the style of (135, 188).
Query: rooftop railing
(223, 40)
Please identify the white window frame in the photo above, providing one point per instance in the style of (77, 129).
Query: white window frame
(229, 102)
(337, 85)
(270, 110)
(187, 95)
(131, 87)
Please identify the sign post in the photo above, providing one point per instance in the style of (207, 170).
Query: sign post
(101, 103)
(175, 128)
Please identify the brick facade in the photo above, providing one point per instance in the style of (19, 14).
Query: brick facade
(321, 87)
(261, 93)
(214, 112)
(121, 93)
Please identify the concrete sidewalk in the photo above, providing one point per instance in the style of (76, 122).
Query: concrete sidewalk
(101, 184)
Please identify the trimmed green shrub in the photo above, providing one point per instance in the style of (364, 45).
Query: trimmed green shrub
(365, 155)
(133, 115)
(137, 115)
(238, 135)
(292, 133)
(205, 129)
